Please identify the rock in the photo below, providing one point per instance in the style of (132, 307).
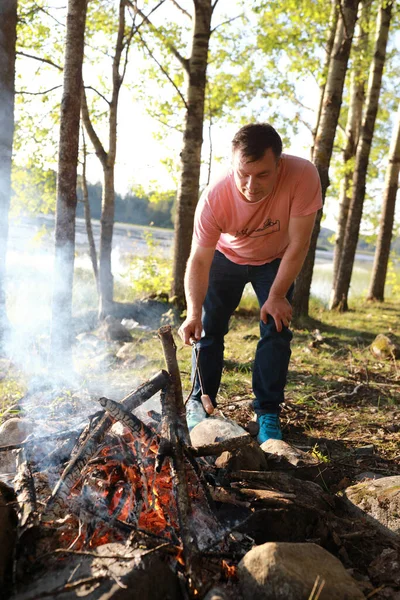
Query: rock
(216, 594)
(137, 575)
(114, 331)
(218, 429)
(364, 450)
(283, 452)
(284, 571)
(129, 323)
(386, 567)
(382, 347)
(13, 431)
(249, 458)
(367, 475)
(128, 351)
(8, 531)
(380, 499)
(215, 429)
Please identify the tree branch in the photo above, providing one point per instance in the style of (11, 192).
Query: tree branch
(184, 61)
(226, 22)
(164, 71)
(38, 93)
(40, 59)
(98, 146)
(179, 7)
(214, 5)
(89, 87)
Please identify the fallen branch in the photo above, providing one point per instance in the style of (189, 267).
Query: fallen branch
(344, 395)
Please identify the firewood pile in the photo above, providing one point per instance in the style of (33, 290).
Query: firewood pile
(123, 498)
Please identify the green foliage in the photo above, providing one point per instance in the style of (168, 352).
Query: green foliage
(151, 273)
(393, 276)
(34, 189)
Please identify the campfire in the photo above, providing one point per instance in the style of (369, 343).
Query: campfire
(127, 509)
(123, 481)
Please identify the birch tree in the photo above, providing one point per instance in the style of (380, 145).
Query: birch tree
(66, 186)
(8, 28)
(381, 259)
(358, 80)
(341, 286)
(325, 136)
(195, 70)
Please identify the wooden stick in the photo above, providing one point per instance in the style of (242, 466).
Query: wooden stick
(180, 488)
(169, 349)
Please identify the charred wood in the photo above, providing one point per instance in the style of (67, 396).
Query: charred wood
(71, 472)
(169, 349)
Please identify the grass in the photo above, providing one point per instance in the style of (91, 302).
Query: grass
(338, 397)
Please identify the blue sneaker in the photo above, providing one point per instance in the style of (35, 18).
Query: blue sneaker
(195, 413)
(269, 428)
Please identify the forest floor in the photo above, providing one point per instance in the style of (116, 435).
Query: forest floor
(342, 403)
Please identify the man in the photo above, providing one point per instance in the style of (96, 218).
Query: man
(252, 225)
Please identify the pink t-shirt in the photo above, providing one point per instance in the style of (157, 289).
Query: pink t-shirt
(254, 233)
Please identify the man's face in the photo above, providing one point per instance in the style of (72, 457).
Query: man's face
(255, 180)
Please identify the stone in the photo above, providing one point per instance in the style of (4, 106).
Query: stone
(136, 575)
(386, 567)
(129, 323)
(215, 429)
(364, 450)
(286, 571)
(383, 348)
(8, 533)
(379, 499)
(249, 458)
(128, 351)
(112, 329)
(13, 431)
(287, 453)
(218, 429)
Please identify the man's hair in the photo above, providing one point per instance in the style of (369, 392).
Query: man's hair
(254, 139)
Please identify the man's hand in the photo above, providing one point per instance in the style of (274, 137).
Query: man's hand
(190, 330)
(280, 310)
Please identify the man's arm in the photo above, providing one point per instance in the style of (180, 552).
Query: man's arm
(196, 284)
(300, 229)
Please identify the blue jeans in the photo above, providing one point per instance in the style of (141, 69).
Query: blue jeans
(226, 284)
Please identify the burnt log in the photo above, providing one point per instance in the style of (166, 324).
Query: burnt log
(86, 450)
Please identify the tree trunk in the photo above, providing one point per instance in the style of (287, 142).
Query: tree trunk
(353, 126)
(325, 137)
(8, 35)
(66, 186)
(342, 284)
(333, 20)
(88, 217)
(379, 270)
(107, 160)
(188, 192)
(106, 280)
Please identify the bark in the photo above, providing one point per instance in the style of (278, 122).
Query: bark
(342, 284)
(88, 218)
(357, 97)
(333, 20)
(8, 35)
(379, 270)
(188, 192)
(107, 160)
(325, 136)
(66, 186)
